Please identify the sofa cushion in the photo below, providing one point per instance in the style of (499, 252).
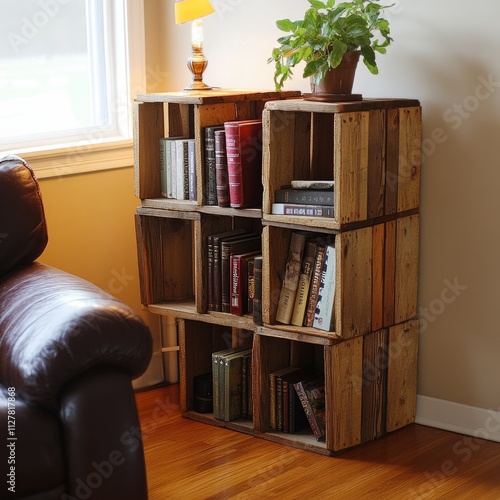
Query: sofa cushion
(23, 230)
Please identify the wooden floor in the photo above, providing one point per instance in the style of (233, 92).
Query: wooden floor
(189, 460)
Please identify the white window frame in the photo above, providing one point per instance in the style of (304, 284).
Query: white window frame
(90, 155)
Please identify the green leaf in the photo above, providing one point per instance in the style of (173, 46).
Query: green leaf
(285, 25)
(318, 4)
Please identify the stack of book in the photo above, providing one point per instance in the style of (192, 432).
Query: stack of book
(233, 164)
(297, 398)
(231, 271)
(308, 287)
(178, 168)
(232, 384)
(305, 198)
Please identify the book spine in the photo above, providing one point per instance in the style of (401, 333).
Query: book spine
(210, 262)
(182, 174)
(232, 387)
(251, 285)
(291, 278)
(272, 401)
(173, 168)
(234, 165)
(324, 312)
(192, 170)
(210, 182)
(221, 174)
(302, 210)
(304, 196)
(235, 302)
(299, 308)
(163, 169)
(216, 385)
(257, 301)
(314, 287)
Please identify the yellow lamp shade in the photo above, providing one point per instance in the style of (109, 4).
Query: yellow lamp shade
(187, 10)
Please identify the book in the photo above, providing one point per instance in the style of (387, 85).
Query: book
(221, 175)
(163, 168)
(312, 299)
(312, 184)
(182, 169)
(232, 365)
(291, 278)
(302, 210)
(239, 282)
(311, 393)
(300, 305)
(280, 408)
(257, 300)
(192, 169)
(324, 312)
(304, 196)
(244, 162)
(213, 261)
(247, 243)
(294, 417)
(209, 150)
(247, 403)
(251, 284)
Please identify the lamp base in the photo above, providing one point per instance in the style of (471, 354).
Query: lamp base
(197, 86)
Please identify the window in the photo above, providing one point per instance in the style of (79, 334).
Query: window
(65, 69)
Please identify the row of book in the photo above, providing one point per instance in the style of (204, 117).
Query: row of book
(233, 164)
(297, 398)
(232, 384)
(178, 168)
(234, 264)
(305, 198)
(308, 288)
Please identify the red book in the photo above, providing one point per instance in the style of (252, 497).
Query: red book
(244, 162)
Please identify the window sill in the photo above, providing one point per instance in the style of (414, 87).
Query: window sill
(80, 159)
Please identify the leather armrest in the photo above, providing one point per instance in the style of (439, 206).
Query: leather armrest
(54, 326)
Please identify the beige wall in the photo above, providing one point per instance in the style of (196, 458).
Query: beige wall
(445, 55)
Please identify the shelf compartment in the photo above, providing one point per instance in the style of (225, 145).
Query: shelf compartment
(371, 149)
(168, 260)
(197, 341)
(171, 114)
(376, 276)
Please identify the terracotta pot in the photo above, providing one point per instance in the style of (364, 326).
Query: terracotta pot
(340, 79)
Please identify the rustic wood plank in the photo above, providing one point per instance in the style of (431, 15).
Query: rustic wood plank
(343, 393)
(406, 276)
(351, 166)
(392, 162)
(389, 273)
(179, 121)
(376, 162)
(322, 146)
(375, 360)
(148, 129)
(353, 296)
(402, 375)
(175, 248)
(410, 151)
(378, 255)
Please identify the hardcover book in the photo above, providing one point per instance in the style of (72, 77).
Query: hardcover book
(244, 162)
(311, 394)
(300, 305)
(291, 278)
(302, 210)
(221, 175)
(209, 150)
(239, 282)
(305, 196)
(314, 286)
(324, 313)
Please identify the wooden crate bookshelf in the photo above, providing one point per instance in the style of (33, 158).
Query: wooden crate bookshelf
(371, 150)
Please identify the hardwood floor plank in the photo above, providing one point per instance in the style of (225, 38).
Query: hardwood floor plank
(190, 460)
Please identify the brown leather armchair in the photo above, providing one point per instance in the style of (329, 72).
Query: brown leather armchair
(68, 352)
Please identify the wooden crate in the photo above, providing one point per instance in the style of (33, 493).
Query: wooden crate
(371, 149)
(376, 276)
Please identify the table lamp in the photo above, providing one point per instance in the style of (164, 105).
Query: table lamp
(194, 10)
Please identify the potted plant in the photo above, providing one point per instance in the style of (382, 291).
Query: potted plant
(328, 37)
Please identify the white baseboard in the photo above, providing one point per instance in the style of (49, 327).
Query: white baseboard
(460, 418)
